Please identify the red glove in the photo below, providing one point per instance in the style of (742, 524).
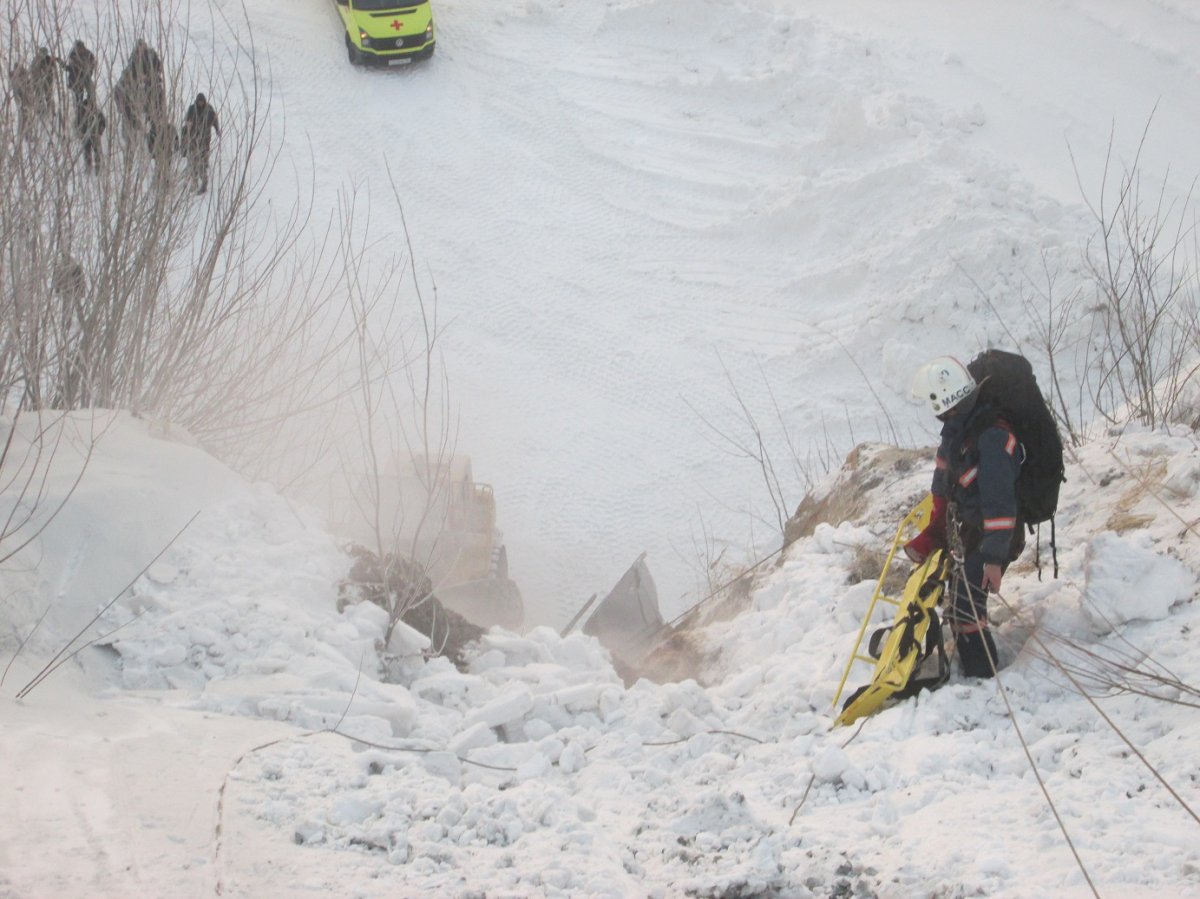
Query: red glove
(933, 537)
(919, 547)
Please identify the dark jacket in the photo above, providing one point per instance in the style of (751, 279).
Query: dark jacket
(198, 125)
(81, 67)
(90, 122)
(43, 73)
(983, 458)
(977, 465)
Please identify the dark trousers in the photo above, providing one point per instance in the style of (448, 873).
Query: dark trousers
(198, 169)
(967, 616)
(91, 152)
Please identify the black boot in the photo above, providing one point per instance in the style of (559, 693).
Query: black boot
(977, 653)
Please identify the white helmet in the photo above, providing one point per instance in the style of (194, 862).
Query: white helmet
(943, 384)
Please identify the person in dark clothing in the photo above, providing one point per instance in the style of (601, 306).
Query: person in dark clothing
(70, 283)
(196, 139)
(161, 142)
(146, 70)
(81, 74)
(140, 92)
(974, 504)
(43, 79)
(23, 94)
(145, 62)
(90, 125)
(123, 96)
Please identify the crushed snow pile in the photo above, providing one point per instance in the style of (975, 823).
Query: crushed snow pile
(537, 773)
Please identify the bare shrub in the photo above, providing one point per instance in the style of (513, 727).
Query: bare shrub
(406, 429)
(1124, 344)
(1142, 263)
(383, 438)
(1054, 315)
(119, 288)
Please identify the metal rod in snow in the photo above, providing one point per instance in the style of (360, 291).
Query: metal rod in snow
(574, 621)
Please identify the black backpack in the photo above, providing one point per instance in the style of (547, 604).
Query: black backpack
(1007, 383)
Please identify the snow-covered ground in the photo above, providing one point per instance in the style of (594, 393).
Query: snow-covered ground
(619, 203)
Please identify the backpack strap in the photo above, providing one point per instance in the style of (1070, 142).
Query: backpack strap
(1053, 547)
(1037, 553)
(934, 644)
(990, 417)
(1037, 549)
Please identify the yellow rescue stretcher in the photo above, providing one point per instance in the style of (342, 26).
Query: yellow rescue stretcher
(898, 651)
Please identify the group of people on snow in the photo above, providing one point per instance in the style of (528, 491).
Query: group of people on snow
(140, 97)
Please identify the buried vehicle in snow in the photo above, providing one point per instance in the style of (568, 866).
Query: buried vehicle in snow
(433, 512)
(386, 31)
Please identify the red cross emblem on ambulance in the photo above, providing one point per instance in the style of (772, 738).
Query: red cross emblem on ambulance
(397, 24)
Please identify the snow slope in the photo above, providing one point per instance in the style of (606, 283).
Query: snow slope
(619, 203)
(1048, 76)
(234, 736)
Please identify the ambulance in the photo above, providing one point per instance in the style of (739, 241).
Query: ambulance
(386, 31)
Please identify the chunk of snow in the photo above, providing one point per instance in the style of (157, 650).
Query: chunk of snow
(830, 764)
(475, 736)
(406, 641)
(1127, 580)
(444, 765)
(510, 706)
(573, 758)
(353, 810)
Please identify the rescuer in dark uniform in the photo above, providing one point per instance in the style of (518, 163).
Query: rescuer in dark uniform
(196, 139)
(974, 504)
